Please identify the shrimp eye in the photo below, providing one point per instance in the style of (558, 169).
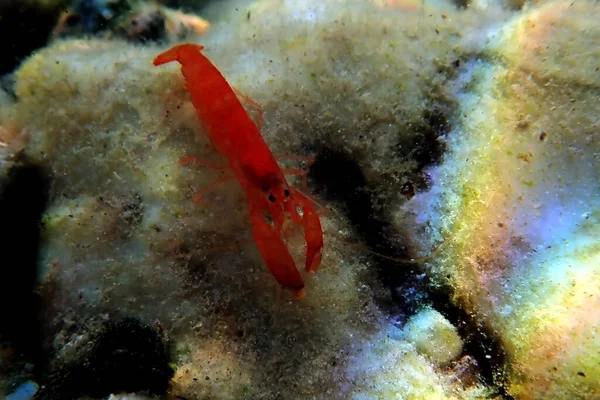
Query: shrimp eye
(286, 193)
(272, 198)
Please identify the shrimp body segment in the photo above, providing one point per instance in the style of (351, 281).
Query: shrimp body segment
(235, 135)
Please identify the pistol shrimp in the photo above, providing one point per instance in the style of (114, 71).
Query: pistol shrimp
(235, 135)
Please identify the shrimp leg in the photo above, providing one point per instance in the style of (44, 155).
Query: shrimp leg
(200, 161)
(309, 160)
(297, 172)
(254, 104)
(275, 254)
(198, 196)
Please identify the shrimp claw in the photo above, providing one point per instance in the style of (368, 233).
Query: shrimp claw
(276, 255)
(313, 232)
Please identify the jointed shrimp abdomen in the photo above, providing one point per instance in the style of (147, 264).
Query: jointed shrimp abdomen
(235, 135)
(217, 106)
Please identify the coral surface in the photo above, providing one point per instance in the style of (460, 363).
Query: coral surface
(456, 153)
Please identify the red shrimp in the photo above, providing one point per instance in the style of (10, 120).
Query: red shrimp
(235, 135)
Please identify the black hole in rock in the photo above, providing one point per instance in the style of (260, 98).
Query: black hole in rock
(31, 23)
(153, 30)
(431, 148)
(426, 148)
(340, 179)
(126, 357)
(23, 198)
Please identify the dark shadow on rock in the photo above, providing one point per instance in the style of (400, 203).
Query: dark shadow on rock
(23, 198)
(338, 178)
(24, 28)
(125, 356)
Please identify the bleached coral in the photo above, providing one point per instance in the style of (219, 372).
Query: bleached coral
(382, 86)
(517, 229)
(123, 236)
(434, 336)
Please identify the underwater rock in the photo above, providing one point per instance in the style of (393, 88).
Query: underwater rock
(214, 371)
(429, 140)
(515, 234)
(123, 356)
(132, 396)
(433, 336)
(6, 92)
(25, 391)
(123, 237)
(393, 369)
(133, 20)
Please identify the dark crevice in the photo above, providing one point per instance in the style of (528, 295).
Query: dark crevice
(125, 356)
(426, 147)
(431, 149)
(337, 177)
(23, 199)
(146, 28)
(480, 342)
(24, 28)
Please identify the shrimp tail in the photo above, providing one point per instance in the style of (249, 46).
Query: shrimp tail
(276, 255)
(177, 53)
